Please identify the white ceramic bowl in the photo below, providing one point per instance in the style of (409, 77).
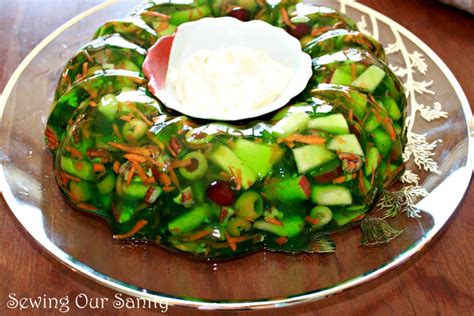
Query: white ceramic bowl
(216, 33)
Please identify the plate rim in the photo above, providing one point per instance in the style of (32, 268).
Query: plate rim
(264, 303)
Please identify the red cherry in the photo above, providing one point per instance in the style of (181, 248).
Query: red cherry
(299, 30)
(240, 14)
(221, 192)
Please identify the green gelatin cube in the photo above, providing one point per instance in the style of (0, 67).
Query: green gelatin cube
(358, 102)
(291, 124)
(286, 190)
(311, 156)
(369, 79)
(334, 123)
(346, 144)
(343, 217)
(382, 141)
(392, 108)
(107, 184)
(78, 168)
(371, 123)
(292, 226)
(258, 157)
(341, 77)
(373, 160)
(228, 161)
(331, 195)
(190, 220)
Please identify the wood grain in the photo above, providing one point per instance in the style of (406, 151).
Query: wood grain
(438, 280)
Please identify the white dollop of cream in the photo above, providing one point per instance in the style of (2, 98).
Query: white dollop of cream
(228, 80)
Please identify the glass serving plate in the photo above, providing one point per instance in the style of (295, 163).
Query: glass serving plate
(261, 280)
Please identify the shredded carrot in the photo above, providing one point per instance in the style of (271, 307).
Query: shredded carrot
(171, 151)
(70, 177)
(72, 197)
(233, 241)
(225, 176)
(134, 157)
(116, 166)
(168, 188)
(281, 240)
(162, 26)
(372, 178)
(85, 68)
(165, 179)
(353, 71)
(312, 221)
(273, 220)
(286, 18)
(74, 152)
(157, 14)
(152, 137)
(180, 164)
(86, 206)
(389, 127)
(358, 218)
(141, 173)
(135, 229)
(174, 178)
(131, 173)
(340, 140)
(132, 149)
(361, 182)
(144, 118)
(351, 115)
(198, 235)
(89, 58)
(340, 179)
(117, 131)
(377, 115)
(126, 118)
(98, 167)
(305, 139)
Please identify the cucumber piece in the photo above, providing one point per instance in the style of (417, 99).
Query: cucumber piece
(170, 29)
(392, 108)
(238, 225)
(228, 161)
(249, 205)
(190, 220)
(108, 106)
(78, 168)
(334, 123)
(81, 190)
(291, 124)
(292, 226)
(382, 141)
(198, 167)
(287, 190)
(341, 77)
(107, 184)
(343, 217)
(358, 103)
(369, 79)
(311, 156)
(259, 157)
(331, 195)
(322, 214)
(183, 16)
(373, 159)
(371, 123)
(135, 189)
(346, 144)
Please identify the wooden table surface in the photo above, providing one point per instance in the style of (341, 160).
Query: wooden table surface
(439, 280)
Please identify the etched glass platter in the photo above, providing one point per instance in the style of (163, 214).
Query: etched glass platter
(438, 155)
